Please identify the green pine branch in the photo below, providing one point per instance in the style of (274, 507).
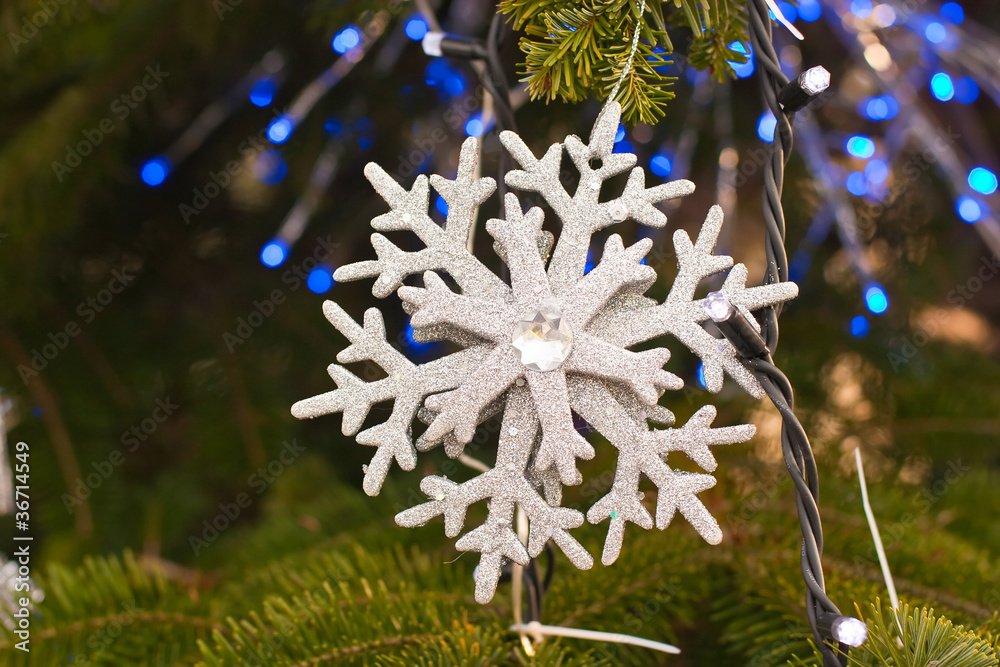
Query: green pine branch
(575, 50)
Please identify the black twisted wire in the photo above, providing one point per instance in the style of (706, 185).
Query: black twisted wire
(795, 445)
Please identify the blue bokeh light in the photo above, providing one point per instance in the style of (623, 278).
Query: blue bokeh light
(416, 28)
(883, 107)
(320, 280)
(876, 299)
(270, 167)
(474, 126)
(333, 127)
(700, 374)
(942, 87)
(441, 205)
(661, 164)
(857, 184)
(274, 253)
(862, 8)
(787, 10)
(620, 133)
(876, 171)
(935, 32)
(860, 326)
(810, 10)
(262, 92)
(969, 209)
(860, 146)
(766, 126)
(442, 75)
(966, 90)
(953, 13)
(624, 146)
(346, 39)
(155, 171)
(983, 180)
(280, 129)
(742, 70)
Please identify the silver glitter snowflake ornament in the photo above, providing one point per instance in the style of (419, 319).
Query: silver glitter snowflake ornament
(551, 343)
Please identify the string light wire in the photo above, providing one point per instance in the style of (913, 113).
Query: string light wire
(795, 446)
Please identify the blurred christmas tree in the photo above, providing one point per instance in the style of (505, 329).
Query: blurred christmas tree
(173, 208)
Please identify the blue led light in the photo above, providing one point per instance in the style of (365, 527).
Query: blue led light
(942, 87)
(588, 266)
(952, 12)
(411, 341)
(320, 280)
(766, 126)
(860, 146)
(876, 171)
(624, 147)
(810, 10)
(860, 326)
(262, 92)
(876, 299)
(861, 8)
(661, 164)
(883, 107)
(441, 205)
(474, 126)
(742, 70)
(416, 28)
(969, 209)
(799, 266)
(274, 253)
(441, 75)
(270, 167)
(333, 127)
(857, 184)
(700, 374)
(346, 39)
(983, 180)
(280, 129)
(787, 10)
(935, 32)
(966, 90)
(155, 171)
(620, 134)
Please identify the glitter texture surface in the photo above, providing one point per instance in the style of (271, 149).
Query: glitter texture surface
(613, 389)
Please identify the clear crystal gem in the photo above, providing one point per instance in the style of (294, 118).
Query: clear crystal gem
(619, 212)
(543, 339)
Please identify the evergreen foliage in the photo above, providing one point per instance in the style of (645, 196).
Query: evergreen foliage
(315, 571)
(579, 50)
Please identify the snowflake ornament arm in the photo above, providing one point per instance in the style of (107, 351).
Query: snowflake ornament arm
(506, 486)
(583, 213)
(681, 315)
(407, 384)
(446, 249)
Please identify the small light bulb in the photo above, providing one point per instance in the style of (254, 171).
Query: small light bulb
(816, 80)
(718, 306)
(850, 631)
